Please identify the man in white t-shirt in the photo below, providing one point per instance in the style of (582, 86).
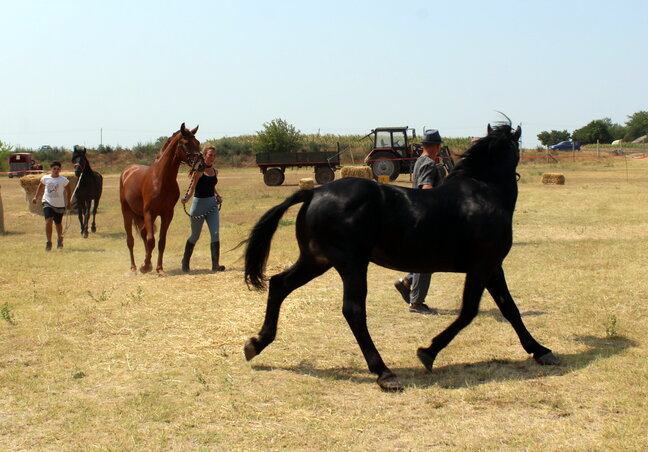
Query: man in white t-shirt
(55, 191)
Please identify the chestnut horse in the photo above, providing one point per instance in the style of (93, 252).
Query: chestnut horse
(146, 192)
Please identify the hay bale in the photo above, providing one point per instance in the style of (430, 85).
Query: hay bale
(29, 184)
(307, 182)
(363, 172)
(553, 178)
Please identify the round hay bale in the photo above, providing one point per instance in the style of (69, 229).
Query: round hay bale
(363, 172)
(306, 183)
(29, 184)
(553, 178)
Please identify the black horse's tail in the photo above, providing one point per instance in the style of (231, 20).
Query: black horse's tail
(258, 243)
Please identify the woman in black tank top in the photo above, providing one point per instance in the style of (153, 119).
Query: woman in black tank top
(204, 207)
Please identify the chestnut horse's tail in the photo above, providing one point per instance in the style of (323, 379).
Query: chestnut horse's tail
(258, 243)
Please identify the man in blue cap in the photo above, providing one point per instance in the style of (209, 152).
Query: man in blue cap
(414, 287)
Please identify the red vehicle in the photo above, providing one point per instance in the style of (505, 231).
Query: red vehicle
(393, 152)
(21, 163)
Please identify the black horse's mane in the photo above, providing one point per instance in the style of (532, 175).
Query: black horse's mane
(480, 155)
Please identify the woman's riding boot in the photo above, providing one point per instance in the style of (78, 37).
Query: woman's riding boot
(189, 247)
(215, 255)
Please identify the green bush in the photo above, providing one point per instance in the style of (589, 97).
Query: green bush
(278, 136)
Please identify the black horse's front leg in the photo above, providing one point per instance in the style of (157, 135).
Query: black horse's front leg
(473, 290)
(499, 290)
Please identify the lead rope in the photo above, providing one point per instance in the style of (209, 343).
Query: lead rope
(198, 217)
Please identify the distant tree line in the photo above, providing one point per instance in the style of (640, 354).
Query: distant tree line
(601, 130)
(275, 136)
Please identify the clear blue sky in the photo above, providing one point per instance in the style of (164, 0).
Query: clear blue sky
(138, 69)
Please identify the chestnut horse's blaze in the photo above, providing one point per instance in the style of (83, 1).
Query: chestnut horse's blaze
(146, 192)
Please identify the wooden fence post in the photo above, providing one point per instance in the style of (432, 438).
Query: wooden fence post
(2, 228)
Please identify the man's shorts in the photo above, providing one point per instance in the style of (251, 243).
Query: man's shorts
(51, 212)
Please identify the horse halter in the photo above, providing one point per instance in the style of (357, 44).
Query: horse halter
(191, 158)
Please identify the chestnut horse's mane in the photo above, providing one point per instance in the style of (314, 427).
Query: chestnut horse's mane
(164, 146)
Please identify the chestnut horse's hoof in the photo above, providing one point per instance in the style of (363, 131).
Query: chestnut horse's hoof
(250, 349)
(425, 358)
(548, 359)
(389, 382)
(146, 268)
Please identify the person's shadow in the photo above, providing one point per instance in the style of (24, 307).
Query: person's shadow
(473, 374)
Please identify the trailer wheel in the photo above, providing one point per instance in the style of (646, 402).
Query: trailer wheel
(383, 164)
(324, 175)
(273, 177)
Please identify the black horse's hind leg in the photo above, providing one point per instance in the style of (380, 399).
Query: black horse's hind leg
(354, 309)
(499, 290)
(281, 285)
(473, 290)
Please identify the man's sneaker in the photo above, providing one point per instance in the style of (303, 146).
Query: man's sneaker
(59, 244)
(403, 289)
(48, 246)
(421, 308)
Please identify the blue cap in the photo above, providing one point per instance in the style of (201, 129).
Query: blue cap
(432, 136)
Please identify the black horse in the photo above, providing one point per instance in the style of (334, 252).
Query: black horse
(350, 222)
(88, 189)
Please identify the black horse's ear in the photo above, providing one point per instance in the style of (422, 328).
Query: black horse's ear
(488, 129)
(518, 133)
(193, 132)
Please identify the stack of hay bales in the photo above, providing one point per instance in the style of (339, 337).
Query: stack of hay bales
(363, 172)
(29, 184)
(306, 183)
(553, 178)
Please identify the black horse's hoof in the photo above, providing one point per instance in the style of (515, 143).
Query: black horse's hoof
(548, 359)
(425, 358)
(250, 349)
(389, 382)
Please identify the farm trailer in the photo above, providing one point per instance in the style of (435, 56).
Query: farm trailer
(273, 165)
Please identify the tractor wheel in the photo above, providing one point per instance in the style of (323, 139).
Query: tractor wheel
(384, 164)
(324, 175)
(273, 177)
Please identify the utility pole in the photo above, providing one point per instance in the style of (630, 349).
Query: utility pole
(101, 136)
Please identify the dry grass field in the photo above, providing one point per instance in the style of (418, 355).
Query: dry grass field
(94, 359)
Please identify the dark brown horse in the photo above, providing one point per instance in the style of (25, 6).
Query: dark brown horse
(88, 189)
(146, 192)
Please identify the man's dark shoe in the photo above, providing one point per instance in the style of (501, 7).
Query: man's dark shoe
(59, 244)
(421, 308)
(48, 246)
(403, 288)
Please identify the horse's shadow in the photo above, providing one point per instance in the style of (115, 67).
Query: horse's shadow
(464, 375)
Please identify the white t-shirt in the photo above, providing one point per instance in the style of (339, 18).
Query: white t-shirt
(54, 190)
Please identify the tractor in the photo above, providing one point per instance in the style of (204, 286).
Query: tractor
(394, 152)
